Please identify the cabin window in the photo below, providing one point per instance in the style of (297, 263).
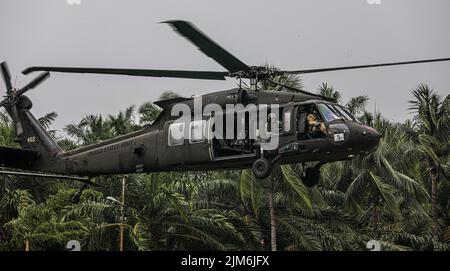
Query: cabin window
(197, 133)
(176, 134)
(287, 120)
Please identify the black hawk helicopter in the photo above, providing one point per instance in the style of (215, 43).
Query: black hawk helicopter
(312, 128)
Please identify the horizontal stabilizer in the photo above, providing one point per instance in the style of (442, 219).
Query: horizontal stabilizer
(17, 158)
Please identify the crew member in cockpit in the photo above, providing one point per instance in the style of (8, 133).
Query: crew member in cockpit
(314, 125)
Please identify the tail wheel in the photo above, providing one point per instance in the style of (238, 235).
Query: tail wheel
(262, 168)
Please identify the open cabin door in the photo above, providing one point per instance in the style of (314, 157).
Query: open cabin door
(231, 139)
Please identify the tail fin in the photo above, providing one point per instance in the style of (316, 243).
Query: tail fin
(31, 135)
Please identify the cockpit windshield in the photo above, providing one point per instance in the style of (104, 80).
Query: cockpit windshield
(331, 112)
(327, 113)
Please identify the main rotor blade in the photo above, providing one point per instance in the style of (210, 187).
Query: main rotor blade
(366, 66)
(34, 83)
(4, 102)
(208, 46)
(6, 76)
(208, 75)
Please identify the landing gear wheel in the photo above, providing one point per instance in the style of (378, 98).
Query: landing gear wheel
(311, 177)
(262, 168)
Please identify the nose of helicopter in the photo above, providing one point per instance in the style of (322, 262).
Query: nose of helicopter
(372, 137)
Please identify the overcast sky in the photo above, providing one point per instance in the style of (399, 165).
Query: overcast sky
(297, 34)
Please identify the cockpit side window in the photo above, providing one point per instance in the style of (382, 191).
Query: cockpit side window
(344, 112)
(337, 111)
(347, 113)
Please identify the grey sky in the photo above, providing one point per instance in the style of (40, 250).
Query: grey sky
(293, 34)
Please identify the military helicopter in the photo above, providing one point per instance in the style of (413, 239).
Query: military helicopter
(339, 135)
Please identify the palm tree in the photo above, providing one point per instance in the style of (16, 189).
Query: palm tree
(355, 105)
(179, 211)
(123, 122)
(431, 135)
(97, 215)
(91, 129)
(379, 182)
(329, 92)
(268, 199)
(48, 119)
(148, 113)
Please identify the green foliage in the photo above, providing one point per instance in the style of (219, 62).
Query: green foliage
(6, 130)
(43, 227)
(329, 92)
(148, 112)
